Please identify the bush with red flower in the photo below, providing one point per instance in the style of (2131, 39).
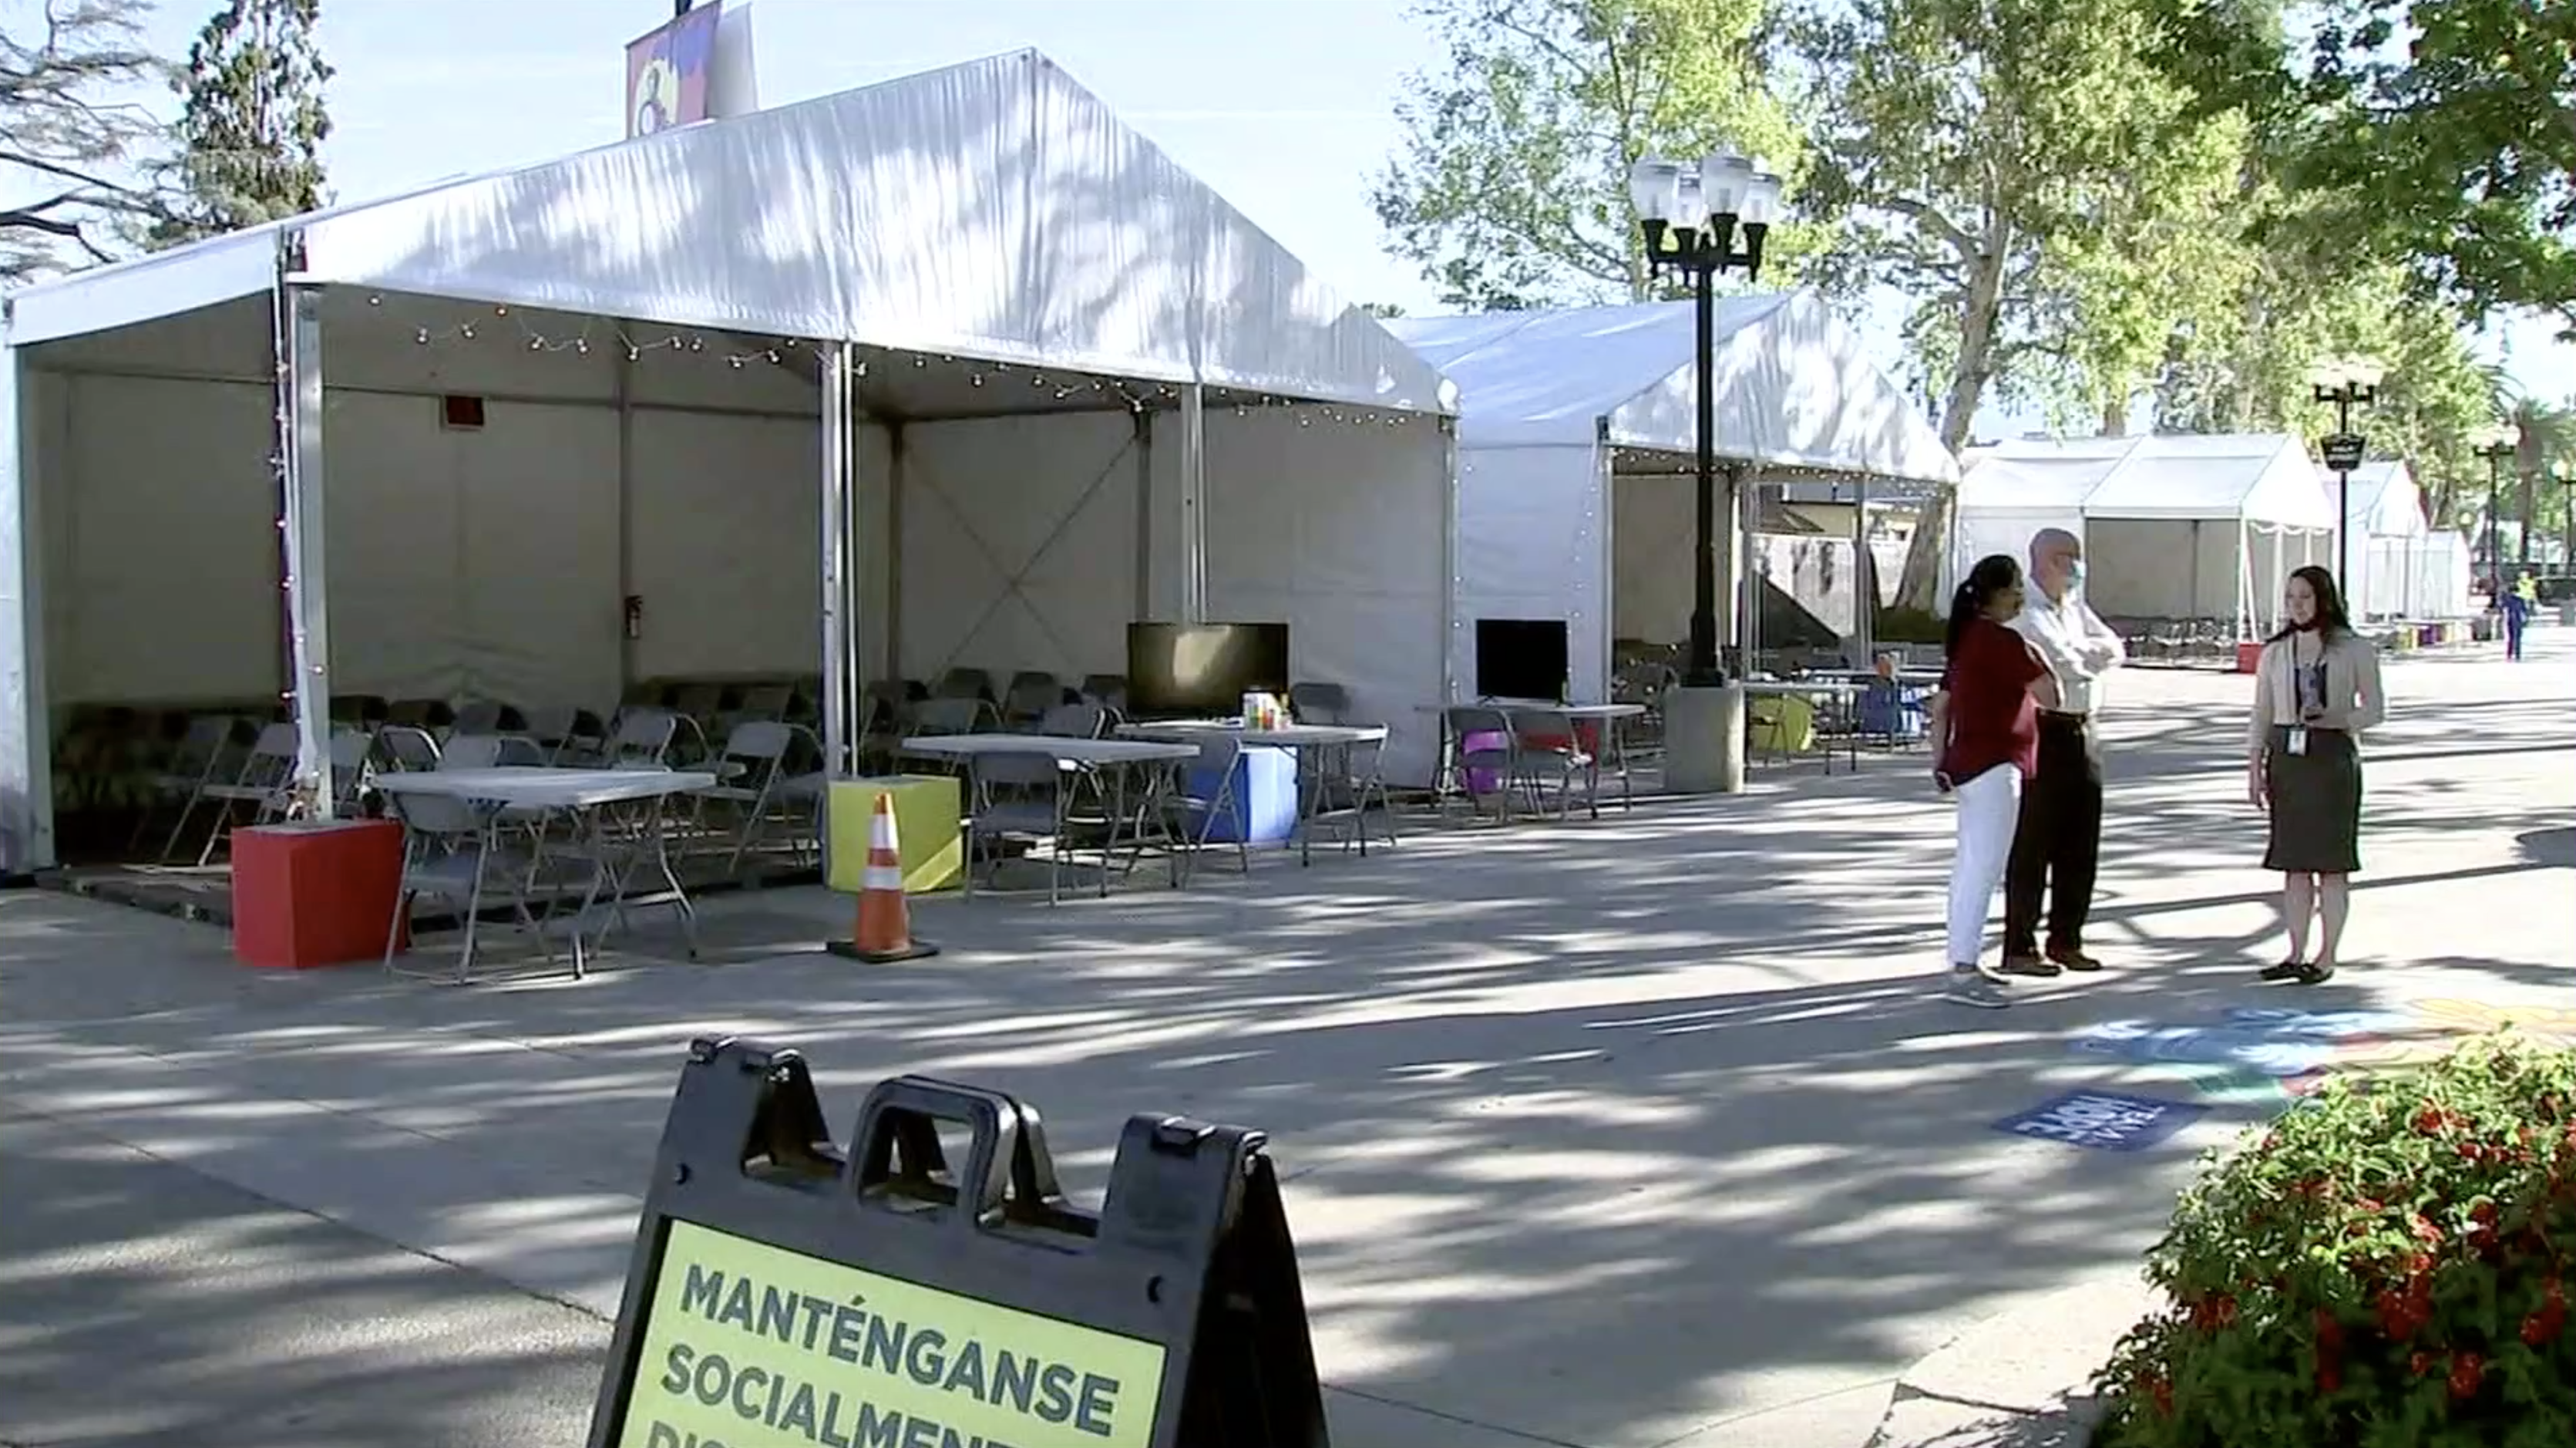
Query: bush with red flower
(2386, 1267)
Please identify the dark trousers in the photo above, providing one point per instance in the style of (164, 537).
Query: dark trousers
(2512, 636)
(2058, 842)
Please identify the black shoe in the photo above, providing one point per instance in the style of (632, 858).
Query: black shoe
(2029, 962)
(2315, 972)
(2286, 970)
(2073, 957)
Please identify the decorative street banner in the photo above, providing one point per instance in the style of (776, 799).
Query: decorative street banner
(786, 1292)
(2103, 1120)
(668, 72)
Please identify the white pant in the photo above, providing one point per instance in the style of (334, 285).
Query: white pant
(1989, 807)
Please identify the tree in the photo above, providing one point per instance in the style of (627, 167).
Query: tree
(2457, 151)
(68, 142)
(2024, 174)
(2544, 436)
(1510, 187)
(252, 124)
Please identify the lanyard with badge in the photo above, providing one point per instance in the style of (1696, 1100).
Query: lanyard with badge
(2310, 681)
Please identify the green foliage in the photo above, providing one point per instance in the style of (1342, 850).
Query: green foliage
(1510, 188)
(2455, 150)
(2038, 186)
(1907, 626)
(253, 123)
(2385, 1268)
(67, 140)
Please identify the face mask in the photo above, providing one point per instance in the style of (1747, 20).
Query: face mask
(2075, 573)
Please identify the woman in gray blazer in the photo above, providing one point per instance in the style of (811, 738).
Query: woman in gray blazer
(2316, 690)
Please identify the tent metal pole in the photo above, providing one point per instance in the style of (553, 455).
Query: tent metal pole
(1453, 466)
(298, 341)
(1193, 412)
(1143, 608)
(26, 732)
(1864, 578)
(839, 718)
(1746, 587)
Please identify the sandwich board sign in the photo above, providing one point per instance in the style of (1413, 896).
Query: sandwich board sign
(785, 1293)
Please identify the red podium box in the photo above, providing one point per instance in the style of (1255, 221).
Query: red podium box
(315, 892)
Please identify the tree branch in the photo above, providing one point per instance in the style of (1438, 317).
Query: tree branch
(1924, 214)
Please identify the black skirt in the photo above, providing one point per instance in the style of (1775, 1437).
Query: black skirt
(2315, 802)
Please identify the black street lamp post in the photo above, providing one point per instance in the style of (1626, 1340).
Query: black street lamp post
(2496, 444)
(1692, 216)
(2346, 382)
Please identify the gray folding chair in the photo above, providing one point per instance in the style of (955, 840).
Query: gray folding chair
(1194, 806)
(762, 790)
(1548, 752)
(406, 746)
(1319, 703)
(478, 716)
(1021, 794)
(964, 683)
(266, 775)
(1075, 721)
(955, 715)
(208, 753)
(454, 853)
(1030, 696)
(489, 751)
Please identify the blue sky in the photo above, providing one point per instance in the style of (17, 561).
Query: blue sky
(1284, 106)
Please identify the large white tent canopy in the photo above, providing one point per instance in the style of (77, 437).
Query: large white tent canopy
(1555, 403)
(976, 363)
(2175, 527)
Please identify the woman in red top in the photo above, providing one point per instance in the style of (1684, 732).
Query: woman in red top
(1985, 742)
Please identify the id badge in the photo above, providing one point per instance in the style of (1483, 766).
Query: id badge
(2297, 743)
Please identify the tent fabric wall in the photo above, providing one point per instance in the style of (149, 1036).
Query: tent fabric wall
(1020, 544)
(995, 209)
(1338, 529)
(1530, 540)
(491, 561)
(1654, 527)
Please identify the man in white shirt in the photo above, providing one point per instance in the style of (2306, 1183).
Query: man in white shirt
(2058, 841)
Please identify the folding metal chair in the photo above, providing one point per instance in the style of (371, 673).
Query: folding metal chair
(1204, 794)
(208, 753)
(1021, 793)
(266, 774)
(453, 852)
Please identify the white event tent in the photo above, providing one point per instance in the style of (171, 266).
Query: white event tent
(2401, 569)
(1556, 405)
(956, 369)
(2175, 527)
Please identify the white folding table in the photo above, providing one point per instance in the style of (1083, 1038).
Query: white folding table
(589, 798)
(1112, 757)
(1301, 738)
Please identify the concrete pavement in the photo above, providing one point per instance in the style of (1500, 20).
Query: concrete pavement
(1617, 1135)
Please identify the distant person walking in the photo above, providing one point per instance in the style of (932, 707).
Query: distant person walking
(2517, 604)
(1985, 744)
(2058, 846)
(2316, 689)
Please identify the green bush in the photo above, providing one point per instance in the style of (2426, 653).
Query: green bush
(2384, 1268)
(1907, 626)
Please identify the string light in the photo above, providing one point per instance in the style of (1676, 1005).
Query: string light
(980, 374)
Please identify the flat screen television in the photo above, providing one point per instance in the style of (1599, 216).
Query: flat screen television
(1521, 658)
(1202, 670)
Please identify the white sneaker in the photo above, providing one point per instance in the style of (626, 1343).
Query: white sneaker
(1969, 986)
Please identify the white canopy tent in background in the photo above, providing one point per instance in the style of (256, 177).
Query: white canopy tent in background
(954, 369)
(2397, 563)
(1557, 404)
(2175, 527)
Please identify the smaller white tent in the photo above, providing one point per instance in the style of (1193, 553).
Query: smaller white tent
(2175, 528)
(2391, 547)
(1553, 405)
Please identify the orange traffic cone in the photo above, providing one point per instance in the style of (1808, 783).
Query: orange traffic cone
(884, 929)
